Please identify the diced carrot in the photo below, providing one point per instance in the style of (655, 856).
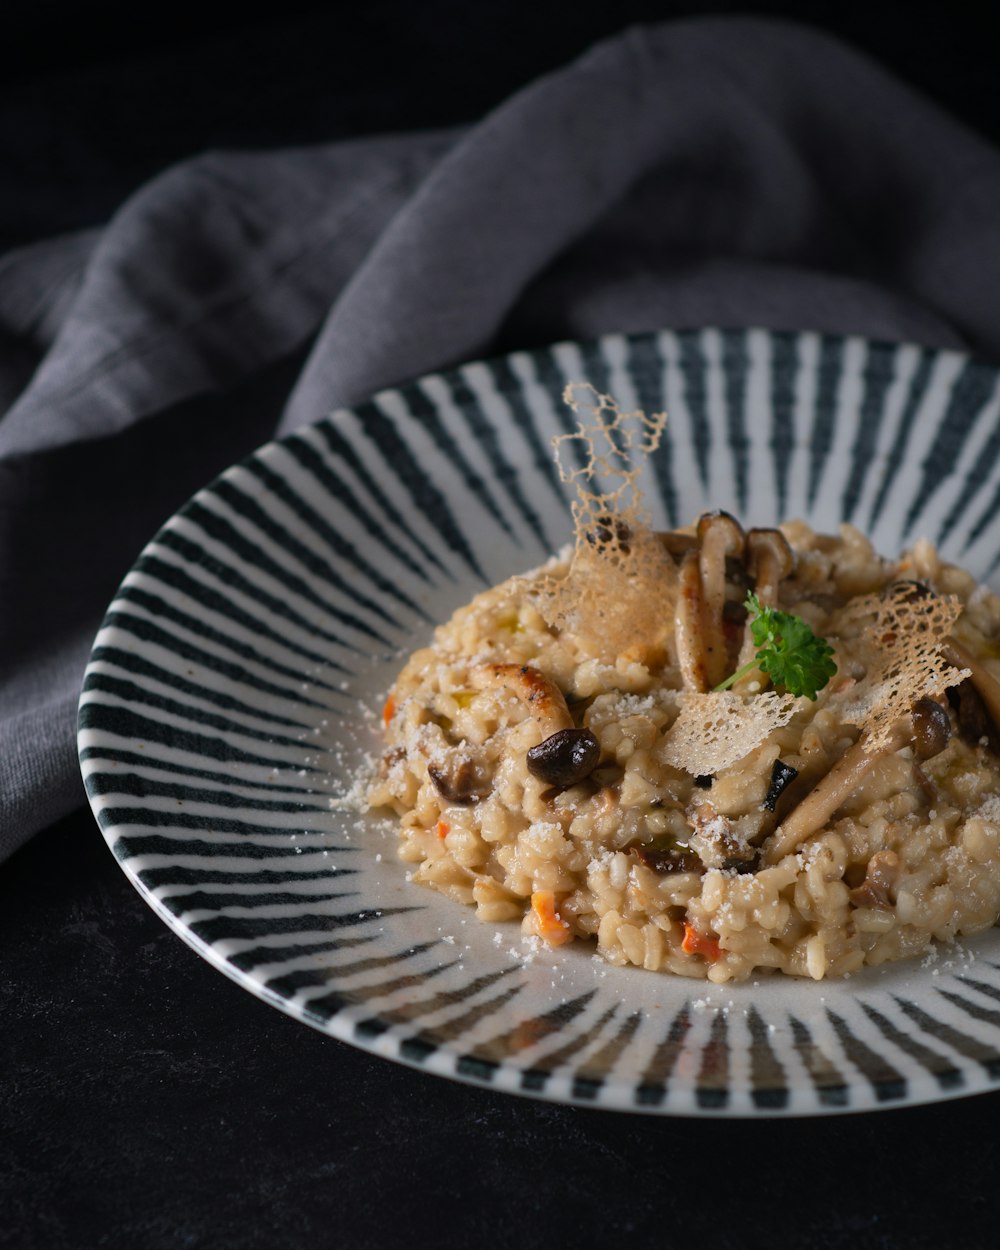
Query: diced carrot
(550, 924)
(442, 829)
(702, 944)
(388, 710)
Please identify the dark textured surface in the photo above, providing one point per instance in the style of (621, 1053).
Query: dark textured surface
(145, 1101)
(95, 101)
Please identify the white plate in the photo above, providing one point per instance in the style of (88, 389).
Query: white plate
(235, 685)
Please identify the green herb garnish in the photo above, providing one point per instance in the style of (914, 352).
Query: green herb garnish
(788, 651)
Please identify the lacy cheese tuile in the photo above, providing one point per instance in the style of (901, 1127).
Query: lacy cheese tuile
(561, 756)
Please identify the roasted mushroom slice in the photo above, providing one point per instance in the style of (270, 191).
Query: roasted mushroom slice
(689, 625)
(769, 560)
(926, 728)
(667, 859)
(879, 886)
(459, 782)
(677, 543)
(719, 535)
(699, 621)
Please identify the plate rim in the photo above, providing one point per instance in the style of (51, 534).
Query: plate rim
(340, 1025)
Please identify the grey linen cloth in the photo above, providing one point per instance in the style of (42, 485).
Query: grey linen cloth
(725, 172)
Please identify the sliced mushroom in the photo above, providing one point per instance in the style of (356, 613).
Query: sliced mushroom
(542, 697)
(769, 559)
(879, 886)
(666, 860)
(689, 625)
(699, 619)
(678, 543)
(719, 535)
(922, 729)
(931, 793)
(459, 782)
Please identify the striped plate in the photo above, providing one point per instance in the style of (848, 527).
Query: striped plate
(234, 687)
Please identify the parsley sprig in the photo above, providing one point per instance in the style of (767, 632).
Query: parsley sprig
(788, 651)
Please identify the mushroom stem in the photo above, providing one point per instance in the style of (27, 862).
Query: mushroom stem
(829, 793)
(688, 625)
(769, 559)
(925, 727)
(719, 535)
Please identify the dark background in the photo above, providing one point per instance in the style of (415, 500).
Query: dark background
(145, 1101)
(97, 97)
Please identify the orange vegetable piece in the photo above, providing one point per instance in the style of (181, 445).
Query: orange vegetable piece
(442, 829)
(388, 710)
(550, 924)
(702, 944)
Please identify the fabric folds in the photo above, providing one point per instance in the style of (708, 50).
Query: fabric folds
(727, 172)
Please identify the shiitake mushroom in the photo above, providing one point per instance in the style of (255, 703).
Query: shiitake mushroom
(565, 758)
(931, 728)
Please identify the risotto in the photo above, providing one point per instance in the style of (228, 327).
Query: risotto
(601, 750)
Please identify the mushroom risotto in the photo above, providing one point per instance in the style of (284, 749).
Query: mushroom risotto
(712, 750)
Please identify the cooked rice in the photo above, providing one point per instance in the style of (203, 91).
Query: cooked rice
(910, 857)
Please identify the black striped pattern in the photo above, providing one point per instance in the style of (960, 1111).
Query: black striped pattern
(234, 689)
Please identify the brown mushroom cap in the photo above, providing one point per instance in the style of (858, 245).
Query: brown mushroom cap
(879, 886)
(769, 559)
(987, 686)
(676, 542)
(721, 526)
(974, 722)
(931, 728)
(565, 758)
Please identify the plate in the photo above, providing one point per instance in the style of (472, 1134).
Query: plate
(233, 697)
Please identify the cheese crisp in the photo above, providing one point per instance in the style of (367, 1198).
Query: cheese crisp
(604, 750)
